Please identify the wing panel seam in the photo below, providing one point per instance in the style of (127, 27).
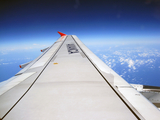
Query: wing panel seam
(33, 81)
(107, 81)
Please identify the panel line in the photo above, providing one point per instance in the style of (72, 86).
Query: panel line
(34, 80)
(107, 81)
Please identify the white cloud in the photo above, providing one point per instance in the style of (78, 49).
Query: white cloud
(129, 57)
(121, 59)
(5, 63)
(35, 44)
(143, 55)
(131, 64)
(104, 56)
(27, 48)
(122, 63)
(117, 53)
(129, 61)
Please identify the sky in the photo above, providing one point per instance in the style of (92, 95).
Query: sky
(33, 24)
(28, 21)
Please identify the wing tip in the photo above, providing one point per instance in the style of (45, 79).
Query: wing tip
(61, 34)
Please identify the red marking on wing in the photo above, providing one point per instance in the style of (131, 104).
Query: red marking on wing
(61, 34)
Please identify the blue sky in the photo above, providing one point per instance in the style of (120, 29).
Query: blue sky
(37, 21)
(31, 25)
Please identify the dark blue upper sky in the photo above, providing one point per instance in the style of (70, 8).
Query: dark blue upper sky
(37, 21)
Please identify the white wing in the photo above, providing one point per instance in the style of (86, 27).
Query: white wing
(69, 82)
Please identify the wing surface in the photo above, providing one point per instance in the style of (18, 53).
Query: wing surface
(69, 82)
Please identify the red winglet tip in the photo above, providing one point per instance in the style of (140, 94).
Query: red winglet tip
(61, 34)
(41, 50)
(20, 66)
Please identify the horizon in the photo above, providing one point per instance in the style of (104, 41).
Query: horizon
(28, 26)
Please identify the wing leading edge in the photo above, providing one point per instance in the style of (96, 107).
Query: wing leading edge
(69, 82)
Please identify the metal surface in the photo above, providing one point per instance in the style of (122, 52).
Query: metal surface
(72, 48)
(152, 93)
(140, 105)
(69, 86)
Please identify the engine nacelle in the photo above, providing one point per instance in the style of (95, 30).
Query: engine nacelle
(44, 49)
(24, 65)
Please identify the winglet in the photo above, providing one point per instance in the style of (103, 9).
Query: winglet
(20, 66)
(61, 34)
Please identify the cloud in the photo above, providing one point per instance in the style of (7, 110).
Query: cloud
(131, 64)
(105, 57)
(117, 53)
(143, 54)
(35, 44)
(129, 61)
(5, 63)
(132, 57)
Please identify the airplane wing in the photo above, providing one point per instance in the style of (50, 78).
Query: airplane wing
(152, 93)
(68, 82)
